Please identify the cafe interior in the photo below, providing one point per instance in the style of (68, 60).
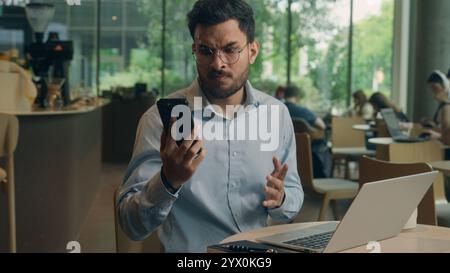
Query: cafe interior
(76, 77)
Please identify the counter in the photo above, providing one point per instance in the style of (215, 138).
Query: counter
(58, 174)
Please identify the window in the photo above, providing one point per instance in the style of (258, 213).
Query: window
(372, 46)
(132, 49)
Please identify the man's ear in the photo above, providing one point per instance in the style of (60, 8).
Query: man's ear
(254, 51)
(193, 47)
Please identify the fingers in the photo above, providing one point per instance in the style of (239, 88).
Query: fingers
(275, 183)
(270, 204)
(276, 165)
(199, 158)
(271, 193)
(274, 198)
(283, 172)
(188, 143)
(274, 192)
(193, 151)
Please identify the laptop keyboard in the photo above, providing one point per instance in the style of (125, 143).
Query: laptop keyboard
(317, 241)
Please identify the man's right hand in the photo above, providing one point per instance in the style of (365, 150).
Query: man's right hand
(180, 163)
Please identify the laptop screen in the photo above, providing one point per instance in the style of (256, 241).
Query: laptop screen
(392, 123)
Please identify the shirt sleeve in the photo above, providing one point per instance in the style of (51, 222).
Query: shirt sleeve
(143, 202)
(292, 187)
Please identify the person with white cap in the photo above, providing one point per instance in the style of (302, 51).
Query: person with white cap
(440, 87)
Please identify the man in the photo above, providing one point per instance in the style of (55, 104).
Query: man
(203, 191)
(292, 96)
(321, 154)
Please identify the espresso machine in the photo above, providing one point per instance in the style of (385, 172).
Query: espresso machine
(50, 59)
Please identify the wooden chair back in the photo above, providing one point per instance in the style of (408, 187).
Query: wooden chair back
(343, 135)
(374, 170)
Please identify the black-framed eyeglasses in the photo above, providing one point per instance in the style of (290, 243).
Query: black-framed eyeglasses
(228, 55)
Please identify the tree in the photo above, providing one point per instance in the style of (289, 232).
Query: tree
(373, 49)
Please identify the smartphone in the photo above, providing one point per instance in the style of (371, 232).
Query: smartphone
(165, 107)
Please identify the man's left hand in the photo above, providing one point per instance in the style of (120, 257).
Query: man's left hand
(275, 185)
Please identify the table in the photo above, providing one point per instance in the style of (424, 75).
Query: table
(421, 239)
(361, 127)
(382, 147)
(442, 166)
(381, 140)
(58, 173)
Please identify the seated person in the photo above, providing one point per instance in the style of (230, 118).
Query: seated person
(379, 101)
(292, 96)
(320, 151)
(439, 128)
(361, 107)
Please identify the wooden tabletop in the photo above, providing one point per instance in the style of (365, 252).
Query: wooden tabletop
(443, 166)
(421, 239)
(361, 127)
(381, 140)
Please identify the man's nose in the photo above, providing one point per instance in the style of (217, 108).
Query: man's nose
(216, 61)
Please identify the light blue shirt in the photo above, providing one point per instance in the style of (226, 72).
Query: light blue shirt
(224, 196)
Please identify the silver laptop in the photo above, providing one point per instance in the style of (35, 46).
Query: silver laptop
(379, 211)
(393, 127)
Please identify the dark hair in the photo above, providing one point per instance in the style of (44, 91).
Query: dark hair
(360, 96)
(448, 74)
(379, 101)
(213, 12)
(435, 78)
(293, 91)
(362, 100)
(279, 92)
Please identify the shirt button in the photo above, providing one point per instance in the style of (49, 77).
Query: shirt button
(235, 154)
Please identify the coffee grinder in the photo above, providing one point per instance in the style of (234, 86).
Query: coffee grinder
(53, 54)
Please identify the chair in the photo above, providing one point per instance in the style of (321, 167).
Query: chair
(348, 144)
(374, 170)
(9, 134)
(302, 126)
(331, 189)
(428, 151)
(125, 245)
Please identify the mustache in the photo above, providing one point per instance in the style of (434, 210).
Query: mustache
(218, 73)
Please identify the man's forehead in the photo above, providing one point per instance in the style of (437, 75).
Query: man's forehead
(220, 34)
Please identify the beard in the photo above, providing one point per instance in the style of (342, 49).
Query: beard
(215, 89)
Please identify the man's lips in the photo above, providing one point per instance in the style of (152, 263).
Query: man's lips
(218, 76)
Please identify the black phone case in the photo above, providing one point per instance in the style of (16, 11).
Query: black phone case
(165, 107)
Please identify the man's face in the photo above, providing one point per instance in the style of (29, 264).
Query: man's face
(221, 77)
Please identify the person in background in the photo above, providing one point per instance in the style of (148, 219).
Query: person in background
(379, 101)
(361, 107)
(279, 93)
(292, 96)
(439, 128)
(320, 152)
